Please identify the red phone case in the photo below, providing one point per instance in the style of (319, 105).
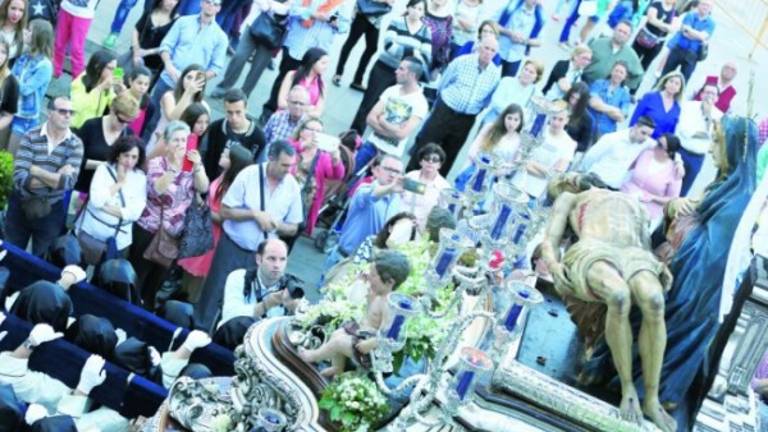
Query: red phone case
(191, 145)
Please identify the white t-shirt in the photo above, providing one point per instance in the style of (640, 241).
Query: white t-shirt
(398, 109)
(80, 8)
(548, 154)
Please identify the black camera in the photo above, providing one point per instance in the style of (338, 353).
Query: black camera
(294, 285)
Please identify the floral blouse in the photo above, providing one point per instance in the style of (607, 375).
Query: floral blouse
(173, 203)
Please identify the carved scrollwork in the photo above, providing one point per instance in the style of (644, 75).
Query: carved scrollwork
(198, 405)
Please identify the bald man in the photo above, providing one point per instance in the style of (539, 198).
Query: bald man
(261, 290)
(281, 124)
(465, 89)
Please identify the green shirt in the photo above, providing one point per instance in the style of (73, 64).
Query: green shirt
(603, 59)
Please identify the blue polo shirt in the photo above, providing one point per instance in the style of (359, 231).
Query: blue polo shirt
(367, 215)
(692, 19)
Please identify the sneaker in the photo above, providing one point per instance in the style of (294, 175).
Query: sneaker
(357, 86)
(110, 41)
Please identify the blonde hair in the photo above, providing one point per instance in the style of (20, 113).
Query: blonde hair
(579, 50)
(125, 104)
(663, 82)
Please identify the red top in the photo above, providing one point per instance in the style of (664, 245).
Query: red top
(726, 94)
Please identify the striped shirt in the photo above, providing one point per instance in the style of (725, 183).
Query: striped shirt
(400, 43)
(35, 149)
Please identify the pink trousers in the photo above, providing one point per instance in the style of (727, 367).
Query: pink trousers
(70, 31)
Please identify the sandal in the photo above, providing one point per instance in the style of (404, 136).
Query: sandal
(336, 80)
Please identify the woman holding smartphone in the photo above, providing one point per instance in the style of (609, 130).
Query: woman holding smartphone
(189, 89)
(94, 89)
(170, 191)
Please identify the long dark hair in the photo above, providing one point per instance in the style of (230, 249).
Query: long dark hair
(673, 144)
(179, 89)
(499, 128)
(95, 67)
(312, 56)
(580, 109)
(18, 36)
(192, 113)
(239, 158)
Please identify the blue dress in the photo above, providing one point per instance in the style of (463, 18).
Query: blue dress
(651, 105)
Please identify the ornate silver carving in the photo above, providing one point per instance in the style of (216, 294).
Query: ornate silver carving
(562, 399)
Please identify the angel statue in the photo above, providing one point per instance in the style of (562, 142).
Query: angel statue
(610, 265)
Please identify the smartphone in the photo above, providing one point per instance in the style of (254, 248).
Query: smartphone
(414, 186)
(191, 145)
(118, 73)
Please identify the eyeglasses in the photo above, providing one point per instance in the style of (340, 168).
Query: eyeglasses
(64, 111)
(297, 103)
(391, 170)
(316, 130)
(432, 158)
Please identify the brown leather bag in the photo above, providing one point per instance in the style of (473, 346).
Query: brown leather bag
(164, 248)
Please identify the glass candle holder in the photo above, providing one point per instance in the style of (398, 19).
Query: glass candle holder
(523, 296)
(480, 181)
(507, 202)
(452, 200)
(452, 245)
(391, 336)
(270, 420)
(472, 364)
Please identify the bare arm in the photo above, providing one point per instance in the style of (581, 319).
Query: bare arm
(237, 214)
(285, 87)
(550, 247)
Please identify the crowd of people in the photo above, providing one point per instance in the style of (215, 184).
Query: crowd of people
(134, 166)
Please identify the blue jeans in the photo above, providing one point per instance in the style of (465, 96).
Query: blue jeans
(43, 231)
(569, 22)
(121, 14)
(692, 163)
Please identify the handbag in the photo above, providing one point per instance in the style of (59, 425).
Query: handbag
(96, 251)
(373, 8)
(268, 30)
(703, 52)
(164, 248)
(197, 236)
(646, 39)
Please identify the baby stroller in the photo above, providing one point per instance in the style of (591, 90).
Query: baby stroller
(338, 193)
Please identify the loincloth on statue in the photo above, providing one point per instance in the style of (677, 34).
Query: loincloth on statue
(353, 329)
(628, 261)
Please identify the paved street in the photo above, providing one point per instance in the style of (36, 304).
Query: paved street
(729, 43)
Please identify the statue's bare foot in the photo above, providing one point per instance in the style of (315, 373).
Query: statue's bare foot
(630, 406)
(659, 416)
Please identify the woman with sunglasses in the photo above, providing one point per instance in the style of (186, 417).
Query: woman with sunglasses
(100, 133)
(431, 158)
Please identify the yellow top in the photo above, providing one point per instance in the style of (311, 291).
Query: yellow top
(88, 105)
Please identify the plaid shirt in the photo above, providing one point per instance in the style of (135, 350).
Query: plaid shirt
(33, 150)
(280, 126)
(466, 88)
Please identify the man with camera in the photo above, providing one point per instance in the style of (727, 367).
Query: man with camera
(264, 290)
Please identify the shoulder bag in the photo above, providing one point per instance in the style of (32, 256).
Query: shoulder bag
(197, 236)
(268, 30)
(646, 39)
(373, 8)
(94, 250)
(164, 248)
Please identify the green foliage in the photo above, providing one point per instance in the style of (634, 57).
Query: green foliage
(6, 177)
(354, 401)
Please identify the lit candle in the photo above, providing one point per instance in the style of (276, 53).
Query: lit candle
(465, 380)
(501, 222)
(514, 312)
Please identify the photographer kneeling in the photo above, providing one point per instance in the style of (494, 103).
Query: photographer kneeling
(258, 292)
